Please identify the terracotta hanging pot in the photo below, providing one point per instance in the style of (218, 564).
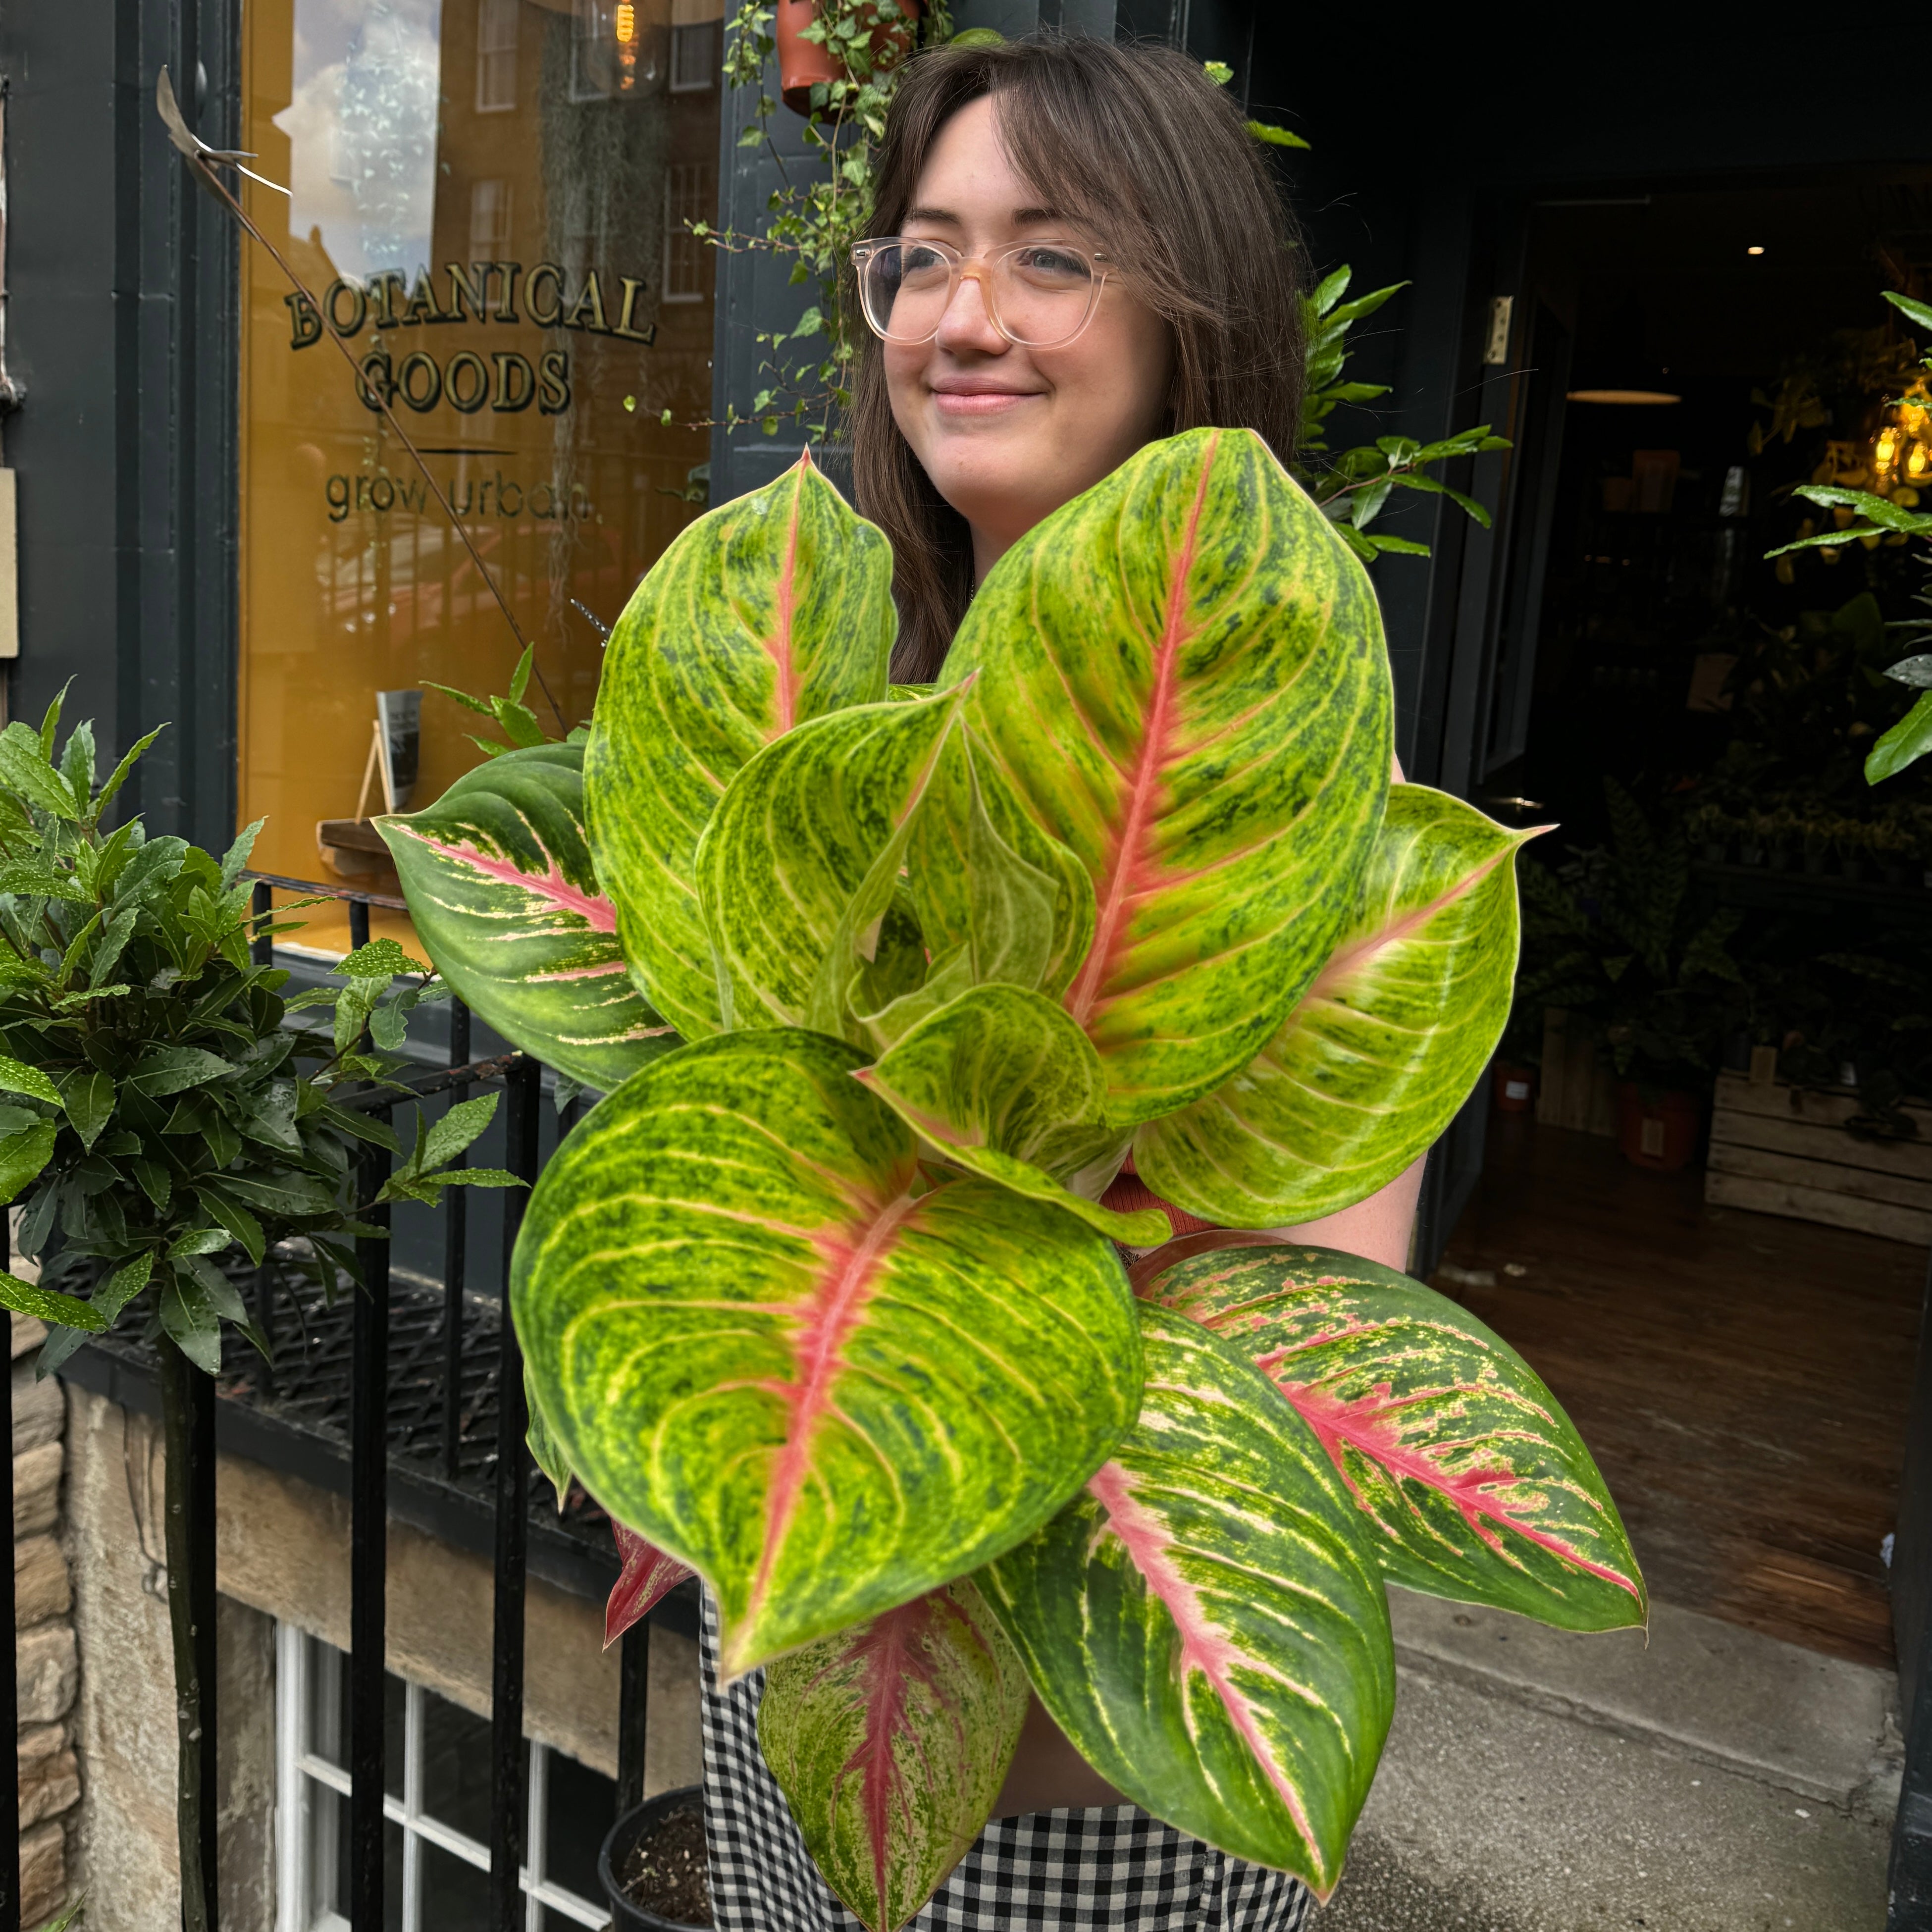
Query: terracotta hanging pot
(803, 64)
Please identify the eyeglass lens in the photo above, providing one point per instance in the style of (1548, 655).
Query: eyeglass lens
(1040, 295)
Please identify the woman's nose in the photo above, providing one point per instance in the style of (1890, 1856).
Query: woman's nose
(968, 323)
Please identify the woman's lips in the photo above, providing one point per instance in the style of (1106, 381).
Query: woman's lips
(971, 403)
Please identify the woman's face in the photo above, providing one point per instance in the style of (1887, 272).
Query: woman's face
(1009, 434)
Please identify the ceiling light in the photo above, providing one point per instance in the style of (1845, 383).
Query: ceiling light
(1638, 396)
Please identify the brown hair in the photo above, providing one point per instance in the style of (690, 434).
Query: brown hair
(1139, 146)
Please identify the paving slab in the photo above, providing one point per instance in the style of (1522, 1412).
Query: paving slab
(1490, 1815)
(1809, 1722)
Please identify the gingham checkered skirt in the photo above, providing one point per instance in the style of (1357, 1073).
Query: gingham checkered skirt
(1052, 1871)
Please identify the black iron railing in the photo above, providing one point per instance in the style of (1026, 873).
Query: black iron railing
(475, 1359)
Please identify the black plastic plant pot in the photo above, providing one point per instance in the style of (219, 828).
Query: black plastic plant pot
(622, 1840)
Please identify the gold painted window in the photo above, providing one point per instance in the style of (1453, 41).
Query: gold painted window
(487, 198)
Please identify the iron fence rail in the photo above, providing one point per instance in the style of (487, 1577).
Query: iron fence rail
(519, 1079)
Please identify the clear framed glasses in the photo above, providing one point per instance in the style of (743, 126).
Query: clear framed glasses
(1038, 294)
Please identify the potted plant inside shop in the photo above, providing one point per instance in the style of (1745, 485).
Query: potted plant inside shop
(822, 1304)
(1615, 936)
(169, 1122)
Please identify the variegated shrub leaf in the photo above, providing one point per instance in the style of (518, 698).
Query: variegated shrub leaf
(984, 876)
(1205, 1621)
(890, 1741)
(760, 1347)
(799, 863)
(648, 1576)
(1476, 1484)
(1375, 1058)
(768, 611)
(1002, 1082)
(1182, 674)
(500, 885)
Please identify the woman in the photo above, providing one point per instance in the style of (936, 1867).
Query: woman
(1081, 251)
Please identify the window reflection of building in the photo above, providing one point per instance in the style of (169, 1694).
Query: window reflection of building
(696, 33)
(496, 21)
(690, 194)
(510, 151)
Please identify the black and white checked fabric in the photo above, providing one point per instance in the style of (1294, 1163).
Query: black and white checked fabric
(1053, 1871)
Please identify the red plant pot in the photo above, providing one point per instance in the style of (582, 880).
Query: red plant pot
(1512, 1086)
(1660, 1131)
(804, 64)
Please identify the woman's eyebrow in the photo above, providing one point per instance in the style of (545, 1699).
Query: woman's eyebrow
(1021, 218)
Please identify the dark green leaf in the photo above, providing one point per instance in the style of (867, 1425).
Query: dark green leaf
(23, 1158)
(189, 1321)
(235, 1218)
(15, 1077)
(126, 766)
(155, 1181)
(1915, 671)
(25, 766)
(88, 1099)
(1915, 311)
(380, 959)
(1909, 739)
(169, 1069)
(236, 856)
(457, 1128)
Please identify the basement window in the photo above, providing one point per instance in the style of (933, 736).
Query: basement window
(437, 1804)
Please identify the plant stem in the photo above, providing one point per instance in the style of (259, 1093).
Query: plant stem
(194, 1786)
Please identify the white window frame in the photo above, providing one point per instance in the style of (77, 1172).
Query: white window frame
(491, 13)
(298, 1768)
(681, 175)
(496, 244)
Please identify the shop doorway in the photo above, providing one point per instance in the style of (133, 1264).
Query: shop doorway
(1705, 1191)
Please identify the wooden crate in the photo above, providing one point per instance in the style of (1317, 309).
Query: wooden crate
(1578, 1090)
(1786, 1150)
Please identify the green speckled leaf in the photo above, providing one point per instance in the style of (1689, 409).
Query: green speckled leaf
(1477, 1484)
(1002, 1082)
(983, 876)
(799, 865)
(1205, 1622)
(760, 1350)
(1181, 674)
(768, 611)
(1375, 1058)
(890, 1741)
(505, 899)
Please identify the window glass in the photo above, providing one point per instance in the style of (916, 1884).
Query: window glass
(487, 199)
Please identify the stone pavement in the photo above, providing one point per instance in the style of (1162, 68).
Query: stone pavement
(1715, 1780)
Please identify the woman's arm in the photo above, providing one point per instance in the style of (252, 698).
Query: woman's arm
(1379, 1229)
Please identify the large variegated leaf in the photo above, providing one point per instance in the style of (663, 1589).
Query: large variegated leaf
(1477, 1484)
(1375, 1058)
(771, 610)
(648, 1576)
(1002, 1082)
(890, 1741)
(800, 861)
(1182, 674)
(500, 885)
(984, 878)
(1205, 1621)
(760, 1347)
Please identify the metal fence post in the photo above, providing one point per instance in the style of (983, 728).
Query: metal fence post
(455, 1263)
(369, 1514)
(508, 1813)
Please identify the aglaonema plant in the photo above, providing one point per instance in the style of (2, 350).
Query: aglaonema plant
(164, 1108)
(823, 1303)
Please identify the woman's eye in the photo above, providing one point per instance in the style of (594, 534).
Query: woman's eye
(1057, 265)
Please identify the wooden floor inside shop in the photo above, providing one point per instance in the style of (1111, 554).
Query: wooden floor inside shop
(1741, 1378)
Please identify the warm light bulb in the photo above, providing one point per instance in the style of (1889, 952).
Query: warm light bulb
(627, 22)
(1915, 463)
(1887, 449)
(1754, 249)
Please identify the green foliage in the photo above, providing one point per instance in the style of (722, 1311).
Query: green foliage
(1354, 488)
(167, 1106)
(520, 723)
(1613, 935)
(822, 1305)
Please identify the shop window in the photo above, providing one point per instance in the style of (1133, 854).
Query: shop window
(436, 1804)
(697, 32)
(480, 198)
(489, 220)
(690, 194)
(496, 55)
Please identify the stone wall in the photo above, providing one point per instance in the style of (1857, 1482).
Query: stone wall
(283, 1550)
(45, 1649)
